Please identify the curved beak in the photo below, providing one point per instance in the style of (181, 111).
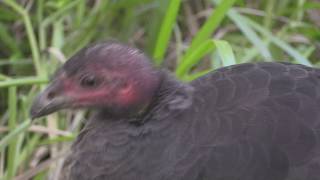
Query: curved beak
(48, 101)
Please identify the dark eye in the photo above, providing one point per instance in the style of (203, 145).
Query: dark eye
(89, 81)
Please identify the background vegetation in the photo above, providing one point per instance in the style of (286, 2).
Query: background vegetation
(189, 37)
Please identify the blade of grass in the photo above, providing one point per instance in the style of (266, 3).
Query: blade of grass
(30, 33)
(269, 14)
(51, 19)
(165, 32)
(156, 12)
(84, 34)
(2, 163)
(40, 5)
(3, 77)
(212, 22)
(224, 50)
(57, 34)
(197, 75)
(8, 40)
(300, 10)
(81, 8)
(193, 58)
(23, 81)
(210, 25)
(12, 146)
(30, 146)
(178, 40)
(249, 55)
(250, 34)
(58, 139)
(226, 55)
(22, 62)
(281, 44)
(311, 5)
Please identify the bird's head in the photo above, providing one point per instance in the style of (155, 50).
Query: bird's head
(109, 76)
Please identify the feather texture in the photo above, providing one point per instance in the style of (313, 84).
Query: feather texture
(255, 121)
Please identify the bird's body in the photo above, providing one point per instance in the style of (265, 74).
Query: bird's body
(255, 121)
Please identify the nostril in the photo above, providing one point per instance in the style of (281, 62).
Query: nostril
(51, 95)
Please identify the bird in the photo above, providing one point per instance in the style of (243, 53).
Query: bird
(250, 121)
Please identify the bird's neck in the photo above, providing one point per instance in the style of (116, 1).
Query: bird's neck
(129, 142)
(170, 97)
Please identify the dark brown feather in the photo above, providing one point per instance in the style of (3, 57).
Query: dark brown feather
(254, 121)
(246, 122)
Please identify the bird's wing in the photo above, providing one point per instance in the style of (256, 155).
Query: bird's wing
(263, 120)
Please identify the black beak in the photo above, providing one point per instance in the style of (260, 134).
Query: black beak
(49, 101)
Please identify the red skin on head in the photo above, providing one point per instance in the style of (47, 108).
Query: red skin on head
(127, 96)
(123, 96)
(111, 77)
(128, 80)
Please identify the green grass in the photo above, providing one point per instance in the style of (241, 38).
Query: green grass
(165, 32)
(191, 38)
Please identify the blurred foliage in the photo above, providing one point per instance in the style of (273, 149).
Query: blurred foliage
(188, 37)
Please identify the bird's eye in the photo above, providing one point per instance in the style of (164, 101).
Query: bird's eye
(89, 81)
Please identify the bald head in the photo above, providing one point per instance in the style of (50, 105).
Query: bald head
(112, 76)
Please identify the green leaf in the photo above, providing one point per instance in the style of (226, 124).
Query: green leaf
(250, 34)
(311, 5)
(281, 44)
(224, 51)
(194, 57)
(13, 134)
(23, 81)
(166, 31)
(201, 38)
(196, 75)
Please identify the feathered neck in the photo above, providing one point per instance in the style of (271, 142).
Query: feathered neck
(171, 96)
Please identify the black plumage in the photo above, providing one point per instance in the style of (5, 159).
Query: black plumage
(253, 121)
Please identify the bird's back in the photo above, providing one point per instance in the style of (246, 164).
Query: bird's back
(258, 122)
